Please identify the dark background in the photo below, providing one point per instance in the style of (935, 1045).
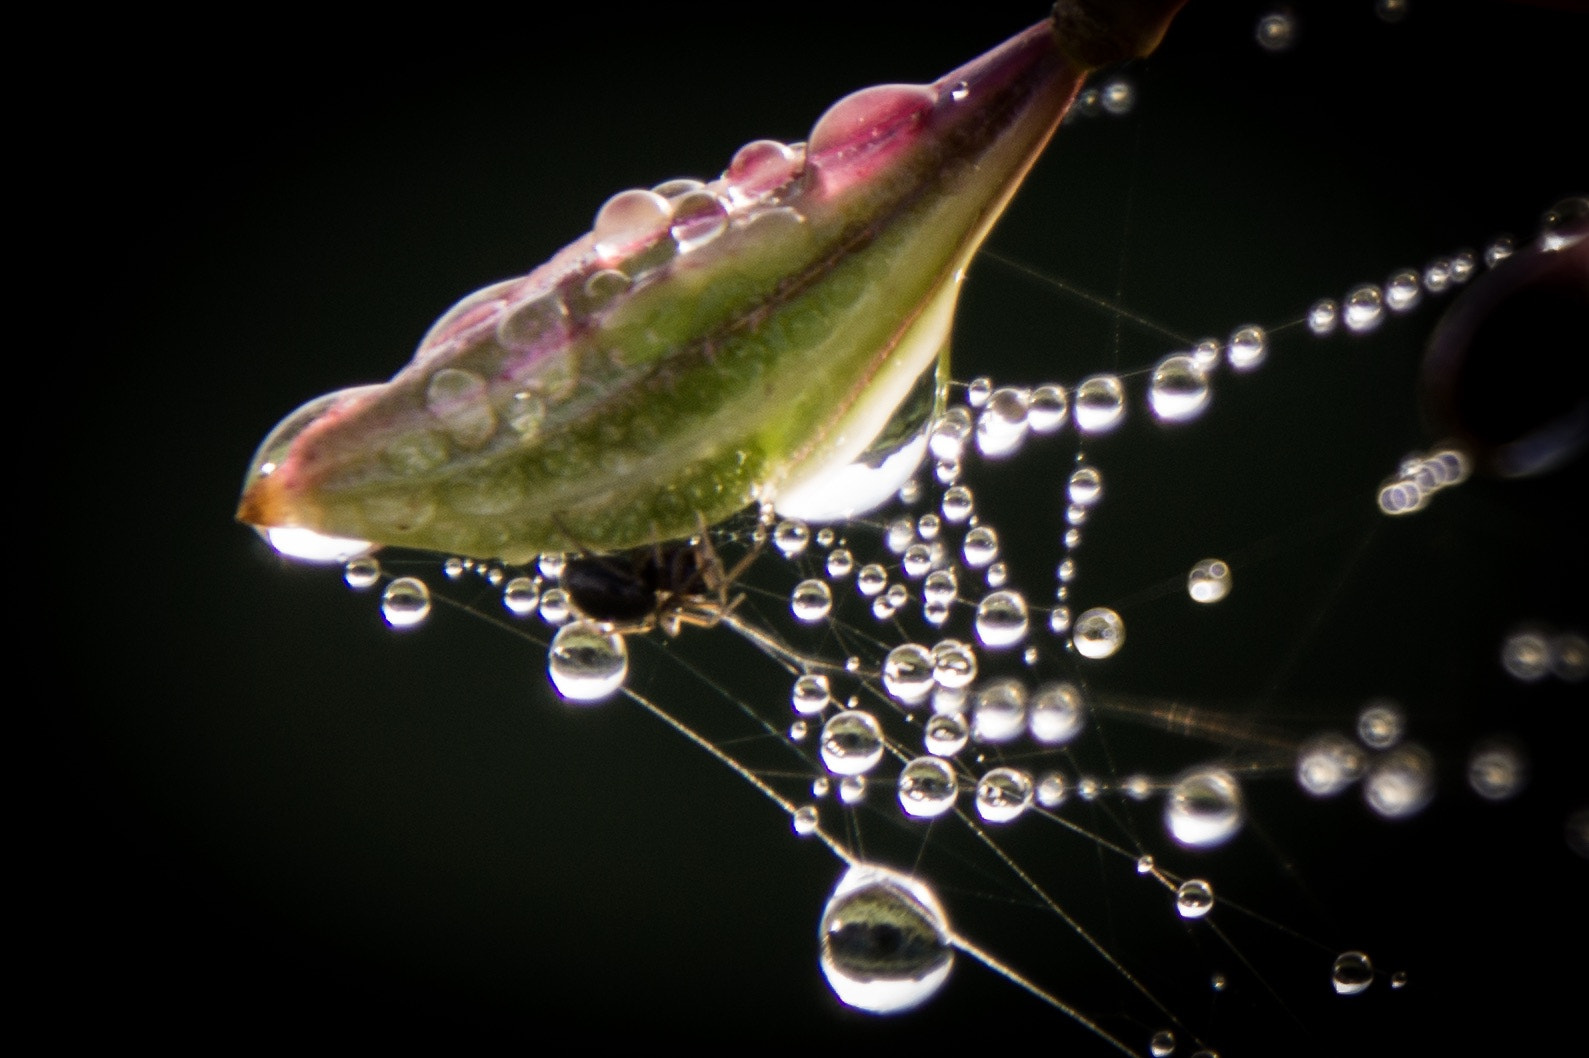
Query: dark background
(273, 818)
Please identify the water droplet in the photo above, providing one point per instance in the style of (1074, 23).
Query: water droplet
(1353, 972)
(811, 600)
(1098, 633)
(1100, 404)
(1323, 316)
(699, 216)
(872, 579)
(1179, 389)
(810, 694)
(361, 573)
(1248, 347)
(521, 596)
(1048, 409)
(791, 537)
(840, 563)
(1400, 783)
(1059, 620)
(1390, 10)
(1085, 487)
(916, 561)
(406, 602)
(1194, 898)
(1052, 789)
(461, 403)
(852, 789)
(1204, 808)
(585, 663)
(948, 435)
(1365, 309)
(852, 742)
(957, 502)
(1499, 250)
(1003, 794)
(998, 711)
(885, 940)
(954, 664)
(1525, 655)
(1402, 292)
(1058, 713)
(1162, 1045)
(1002, 426)
(981, 546)
(1118, 97)
(1328, 764)
(1497, 770)
(805, 820)
(1437, 275)
(908, 673)
(1209, 581)
(555, 607)
(1276, 32)
(1569, 657)
(947, 734)
(1001, 619)
(1380, 724)
(927, 788)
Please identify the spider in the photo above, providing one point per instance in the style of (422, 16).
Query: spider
(667, 586)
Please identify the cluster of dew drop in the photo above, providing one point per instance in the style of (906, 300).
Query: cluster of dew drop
(962, 716)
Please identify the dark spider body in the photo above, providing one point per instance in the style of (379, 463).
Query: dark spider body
(634, 587)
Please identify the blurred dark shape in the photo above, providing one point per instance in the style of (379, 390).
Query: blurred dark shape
(1507, 369)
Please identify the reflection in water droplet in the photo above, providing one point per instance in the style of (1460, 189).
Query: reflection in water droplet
(585, 663)
(885, 940)
(406, 602)
(998, 712)
(1163, 1044)
(810, 694)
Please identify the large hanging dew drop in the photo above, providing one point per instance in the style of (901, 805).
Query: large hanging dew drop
(1098, 633)
(885, 940)
(1204, 808)
(585, 663)
(852, 743)
(406, 602)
